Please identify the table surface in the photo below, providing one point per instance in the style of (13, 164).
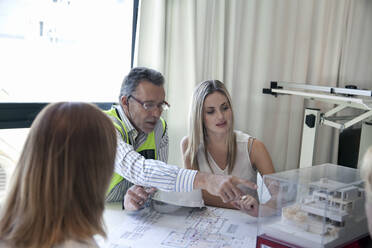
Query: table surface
(185, 227)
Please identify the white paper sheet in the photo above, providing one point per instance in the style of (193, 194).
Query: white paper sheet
(187, 228)
(186, 199)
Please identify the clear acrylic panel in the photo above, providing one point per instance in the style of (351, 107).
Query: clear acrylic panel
(319, 206)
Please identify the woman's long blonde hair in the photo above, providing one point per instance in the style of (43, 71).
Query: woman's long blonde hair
(61, 179)
(197, 132)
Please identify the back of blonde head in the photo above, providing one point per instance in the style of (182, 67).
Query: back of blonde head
(197, 132)
(61, 178)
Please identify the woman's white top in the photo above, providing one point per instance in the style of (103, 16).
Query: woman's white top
(242, 168)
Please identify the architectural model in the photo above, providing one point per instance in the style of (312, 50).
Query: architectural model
(326, 207)
(331, 208)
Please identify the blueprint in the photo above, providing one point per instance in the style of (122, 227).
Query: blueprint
(186, 228)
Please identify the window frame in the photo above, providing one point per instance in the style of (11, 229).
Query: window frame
(22, 114)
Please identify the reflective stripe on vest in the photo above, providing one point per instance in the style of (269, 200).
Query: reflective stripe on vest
(147, 149)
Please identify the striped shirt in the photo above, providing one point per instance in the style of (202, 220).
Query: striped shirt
(147, 172)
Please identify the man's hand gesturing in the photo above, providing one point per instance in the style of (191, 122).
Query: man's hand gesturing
(223, 186)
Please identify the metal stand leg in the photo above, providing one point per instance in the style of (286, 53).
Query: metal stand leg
(365, 140)
(311, 123)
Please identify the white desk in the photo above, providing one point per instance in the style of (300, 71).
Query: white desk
(186, 228)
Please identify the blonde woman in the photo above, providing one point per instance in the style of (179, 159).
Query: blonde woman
(59, 185)
(366, 172)
(213, 145)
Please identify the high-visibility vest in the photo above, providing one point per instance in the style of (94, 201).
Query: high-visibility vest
(147, 149)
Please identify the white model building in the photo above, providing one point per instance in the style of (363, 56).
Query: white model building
(331, 208)
(321, 206)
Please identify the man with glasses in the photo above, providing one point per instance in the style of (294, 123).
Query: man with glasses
(142, 150)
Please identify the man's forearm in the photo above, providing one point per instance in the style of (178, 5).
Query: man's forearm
(222, 186)
(151, 173)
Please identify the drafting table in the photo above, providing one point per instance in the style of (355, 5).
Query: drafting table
(342, 98)
(186, 228)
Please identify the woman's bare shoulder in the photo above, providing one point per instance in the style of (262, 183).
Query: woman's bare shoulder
(184, 143)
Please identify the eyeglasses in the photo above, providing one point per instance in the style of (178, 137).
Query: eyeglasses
(150, 106)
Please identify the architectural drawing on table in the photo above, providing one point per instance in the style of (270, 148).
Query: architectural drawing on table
(182, 240)
(330, 209)
(143, 222)
(118, 246)
(208, 227)
(204, 231)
